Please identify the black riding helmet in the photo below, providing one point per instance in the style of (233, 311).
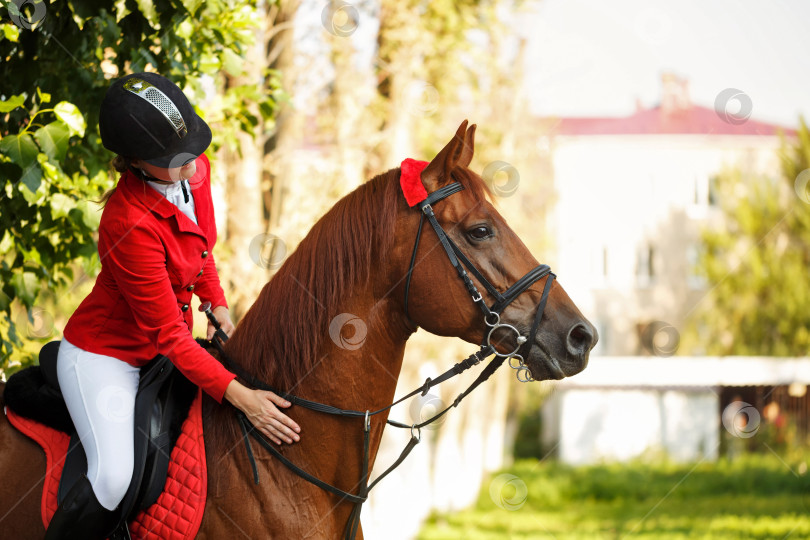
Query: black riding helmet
(146, 116)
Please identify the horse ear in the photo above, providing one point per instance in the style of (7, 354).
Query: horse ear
(457, 152)
(468, 148)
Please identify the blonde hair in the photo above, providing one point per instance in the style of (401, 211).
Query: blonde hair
(119, 164)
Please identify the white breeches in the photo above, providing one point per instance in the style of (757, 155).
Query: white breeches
(100, 395)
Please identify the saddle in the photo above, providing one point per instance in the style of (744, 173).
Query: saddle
(161, 405)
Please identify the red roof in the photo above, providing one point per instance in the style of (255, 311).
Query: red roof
(692, 120)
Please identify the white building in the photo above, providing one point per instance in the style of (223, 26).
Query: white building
(622, 408)
(633, 194)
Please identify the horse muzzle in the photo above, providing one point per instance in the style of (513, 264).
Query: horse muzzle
(553, 358)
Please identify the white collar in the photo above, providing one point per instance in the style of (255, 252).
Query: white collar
(168, 190)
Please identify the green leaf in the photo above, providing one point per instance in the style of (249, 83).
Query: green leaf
(121, 10)
(192, 5)
(5, 301)
(53, 139)
(11, 32)
(232, 63)
(147, 8)
(90, 215)
(26, 287)
(185, 29)
(54, 174)
(61, 205)
(32, 177)
(70, 115)
(209, 63)
(20, 148)
(12, 103)
(44, 97)
(6, 244)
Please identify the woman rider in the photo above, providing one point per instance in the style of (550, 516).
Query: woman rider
(156, 237)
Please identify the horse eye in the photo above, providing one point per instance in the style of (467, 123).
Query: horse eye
(480, 232)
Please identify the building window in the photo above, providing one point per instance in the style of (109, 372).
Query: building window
(599, 264)
(645, 266)
(712, 191)
(604, 262)
(704, 191)
(695, 278)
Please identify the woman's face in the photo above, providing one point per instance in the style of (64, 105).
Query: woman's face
(168, 175)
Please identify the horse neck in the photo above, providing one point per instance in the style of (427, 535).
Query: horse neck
(359, 365)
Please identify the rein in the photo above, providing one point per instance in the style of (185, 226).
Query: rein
(361, 496)
(491, 318)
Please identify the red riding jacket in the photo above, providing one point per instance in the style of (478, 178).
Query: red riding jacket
(152, 258)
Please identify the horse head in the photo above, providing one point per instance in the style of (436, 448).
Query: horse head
(436, 297)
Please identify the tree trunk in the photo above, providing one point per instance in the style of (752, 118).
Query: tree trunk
(244, 171)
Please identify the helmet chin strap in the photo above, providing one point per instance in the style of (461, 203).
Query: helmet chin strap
(148, 178)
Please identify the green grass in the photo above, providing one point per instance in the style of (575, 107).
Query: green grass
(754, 497)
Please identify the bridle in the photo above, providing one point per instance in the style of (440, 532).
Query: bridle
(491, 320)
(492, 314)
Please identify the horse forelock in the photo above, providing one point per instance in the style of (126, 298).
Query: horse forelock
(473, 184)
(279, 338)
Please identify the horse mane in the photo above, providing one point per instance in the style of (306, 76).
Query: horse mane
(279, 337)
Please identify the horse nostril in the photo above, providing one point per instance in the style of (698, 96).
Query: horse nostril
(580, 339)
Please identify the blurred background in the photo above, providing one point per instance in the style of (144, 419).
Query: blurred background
(655, 154)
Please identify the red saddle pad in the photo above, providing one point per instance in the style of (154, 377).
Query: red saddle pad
(178, 512)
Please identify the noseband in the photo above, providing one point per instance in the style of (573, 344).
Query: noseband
(492, 314)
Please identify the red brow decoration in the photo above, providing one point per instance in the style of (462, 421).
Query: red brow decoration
(411, 181)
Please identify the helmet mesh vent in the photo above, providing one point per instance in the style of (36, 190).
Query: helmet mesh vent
(160, 101)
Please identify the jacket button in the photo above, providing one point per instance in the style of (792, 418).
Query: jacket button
(205, 254)
(185, 307)
(190, 288)
(198, 275)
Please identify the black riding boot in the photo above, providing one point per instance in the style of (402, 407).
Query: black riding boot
(81, 516)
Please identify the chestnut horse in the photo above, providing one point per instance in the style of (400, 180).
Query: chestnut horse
(352, 266)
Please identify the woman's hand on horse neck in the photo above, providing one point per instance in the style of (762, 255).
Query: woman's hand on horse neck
(261, 408)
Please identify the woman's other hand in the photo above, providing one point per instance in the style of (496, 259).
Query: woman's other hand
(224, 317)
(261, 408)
